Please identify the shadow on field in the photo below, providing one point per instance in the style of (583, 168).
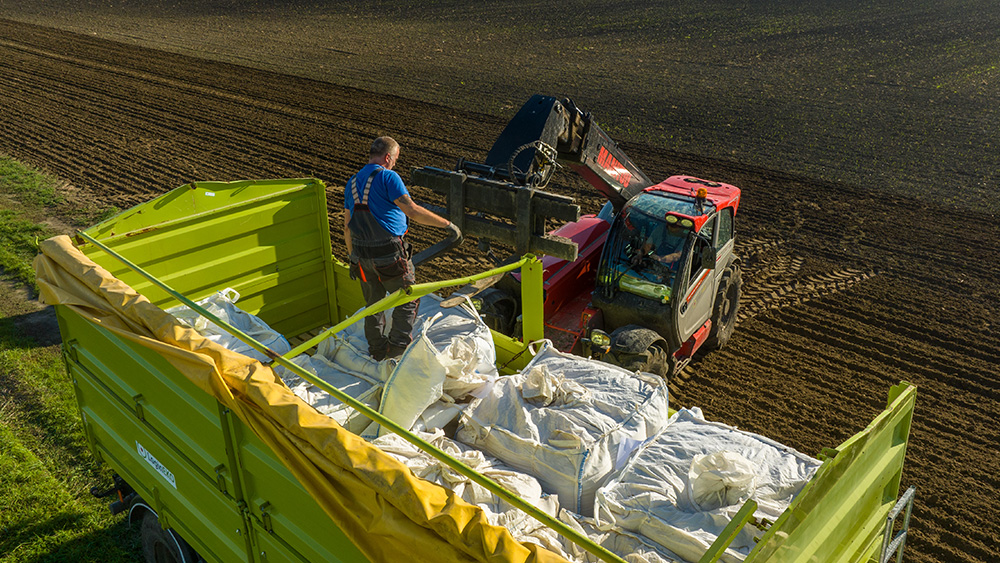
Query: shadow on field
(40, 326)
(118, 542)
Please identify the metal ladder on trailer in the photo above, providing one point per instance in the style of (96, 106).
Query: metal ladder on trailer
(893, 545)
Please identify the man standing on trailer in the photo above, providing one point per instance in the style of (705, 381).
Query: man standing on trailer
(377, 209)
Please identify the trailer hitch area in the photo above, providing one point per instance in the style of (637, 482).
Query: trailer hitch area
(96, 492)
(120, 488)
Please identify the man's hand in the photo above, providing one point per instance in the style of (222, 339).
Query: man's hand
(669, 258)
(454, 232)
(669, 261)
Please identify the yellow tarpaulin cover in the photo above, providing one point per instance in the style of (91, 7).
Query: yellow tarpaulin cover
(377, 502)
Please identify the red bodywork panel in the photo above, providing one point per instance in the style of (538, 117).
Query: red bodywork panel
(721, 195)
(564, 280)
(568, 285)
(692, 344)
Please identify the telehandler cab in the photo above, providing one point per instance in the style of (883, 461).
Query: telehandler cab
(645, 283)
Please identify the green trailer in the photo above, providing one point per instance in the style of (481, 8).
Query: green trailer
(217, 462)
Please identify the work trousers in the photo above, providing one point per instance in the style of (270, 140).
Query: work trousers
(382, 276)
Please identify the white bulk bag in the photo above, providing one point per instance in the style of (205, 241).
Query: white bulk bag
(344, 367)
(720, 479)
(465, 345)
(222, 305)
(451, 357)
(415, 384)
(566, 420)
(458, 334)
(654, 495)
(498, 511)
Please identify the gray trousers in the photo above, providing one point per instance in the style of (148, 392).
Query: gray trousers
(380, 277)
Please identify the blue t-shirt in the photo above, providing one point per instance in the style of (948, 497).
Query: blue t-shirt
(386, 188)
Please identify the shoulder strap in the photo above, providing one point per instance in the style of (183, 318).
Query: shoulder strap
(362, 198)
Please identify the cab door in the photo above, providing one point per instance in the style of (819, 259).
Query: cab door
(697, 285)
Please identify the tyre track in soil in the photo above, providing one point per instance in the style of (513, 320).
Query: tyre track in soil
(809, 367)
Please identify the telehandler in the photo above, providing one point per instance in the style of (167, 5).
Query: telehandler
(653, 277)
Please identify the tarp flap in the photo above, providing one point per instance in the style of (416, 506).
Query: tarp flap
(377, 502)
(682, 487)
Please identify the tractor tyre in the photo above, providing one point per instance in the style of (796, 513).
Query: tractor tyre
(498, 310)
(655, 360)
(164, 546)
(641, 349)
(727, 305)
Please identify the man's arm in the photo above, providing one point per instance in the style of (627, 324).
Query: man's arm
(420, 215)
(347, 231)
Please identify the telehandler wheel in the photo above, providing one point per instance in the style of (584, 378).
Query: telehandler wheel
(164, 546)
(641, 349)
(657, 361)
(498, 310)
(727, 305)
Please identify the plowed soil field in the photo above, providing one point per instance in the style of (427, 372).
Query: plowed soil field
(847, 290)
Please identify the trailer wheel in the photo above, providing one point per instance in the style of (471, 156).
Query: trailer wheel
(727, 305)
(163, 546)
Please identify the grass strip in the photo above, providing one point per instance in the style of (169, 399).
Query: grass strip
(19, 245)
(46, 468)
(34, 187)
(28, 198)
(24, 194)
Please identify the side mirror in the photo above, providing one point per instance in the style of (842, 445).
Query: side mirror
(708, 257)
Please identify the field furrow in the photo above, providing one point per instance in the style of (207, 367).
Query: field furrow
(847, 289)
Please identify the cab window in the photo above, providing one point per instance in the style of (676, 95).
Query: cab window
(708, 229)
(700, 245)
(725, 220)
